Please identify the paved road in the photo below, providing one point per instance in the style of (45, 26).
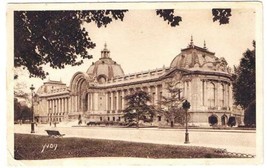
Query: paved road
(240, 141)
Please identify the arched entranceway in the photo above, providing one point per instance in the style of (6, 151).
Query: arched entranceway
(213, 120)
(224, 119)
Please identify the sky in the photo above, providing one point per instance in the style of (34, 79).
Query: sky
(143, 41)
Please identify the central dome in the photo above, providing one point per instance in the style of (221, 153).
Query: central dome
(105, 68)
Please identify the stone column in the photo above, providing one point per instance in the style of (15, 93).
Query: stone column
(96, 101)
(107, 101)
(77, 103)
(64, 104)
(230, 96)
(202, 92)
(224, 97)
(67, 105)
(118, 100)
(88, 101)
(52, 106)
(71, 104)
(149, 92)
(112, 100)
(156, 95)
(189, 96)
(125, 101)
(56, 105)
(216, 94)
(60, 105)
(93, 97)
(122, 100)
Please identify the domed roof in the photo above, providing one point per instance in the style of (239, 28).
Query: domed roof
(194, 57)
(105, 68)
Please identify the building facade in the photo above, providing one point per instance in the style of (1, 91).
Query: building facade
(98, 94)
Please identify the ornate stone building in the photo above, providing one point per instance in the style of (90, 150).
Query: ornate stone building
(98, 94)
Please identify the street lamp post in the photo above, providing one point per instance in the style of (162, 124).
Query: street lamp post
(32, 123)
(186, 106)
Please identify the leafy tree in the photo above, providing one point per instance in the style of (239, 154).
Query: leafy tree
(250, 114)
(171, 106)
(26, 113)
(17, 110)
(137, 108)
(244, 85)
(58, 38)
(222, 15)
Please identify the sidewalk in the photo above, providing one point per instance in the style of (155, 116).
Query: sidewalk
(234, 141)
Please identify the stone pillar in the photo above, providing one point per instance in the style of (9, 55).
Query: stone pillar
(189, 96)
(64, 105)
(52, 106)
(118, 100)
(55, 106)
(77, 103)
(149, 93)
(112, 100)
(230, 96)
(227, 95)
(224, 97)
(88, 102)
(67, 105)
(96, 101)
(107, 101)
(71, 104)
(122, 100)
(125, 101)
(60, 105)
(204, 93)
(216, 94)
(93, 97)
(156, 95)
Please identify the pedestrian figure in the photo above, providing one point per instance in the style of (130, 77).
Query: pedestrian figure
(55, 124)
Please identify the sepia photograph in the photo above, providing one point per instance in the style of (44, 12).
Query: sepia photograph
(148, 83)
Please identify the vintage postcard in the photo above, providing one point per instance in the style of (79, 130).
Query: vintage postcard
(135, 83)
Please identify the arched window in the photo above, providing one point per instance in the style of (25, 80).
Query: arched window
(221, 95)
(211, 94)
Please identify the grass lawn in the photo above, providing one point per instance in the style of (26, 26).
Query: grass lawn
(35, 147)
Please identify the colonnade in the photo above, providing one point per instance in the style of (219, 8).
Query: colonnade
(58, 108)
(112, 100)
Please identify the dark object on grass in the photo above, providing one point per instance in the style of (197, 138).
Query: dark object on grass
(54, 133)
